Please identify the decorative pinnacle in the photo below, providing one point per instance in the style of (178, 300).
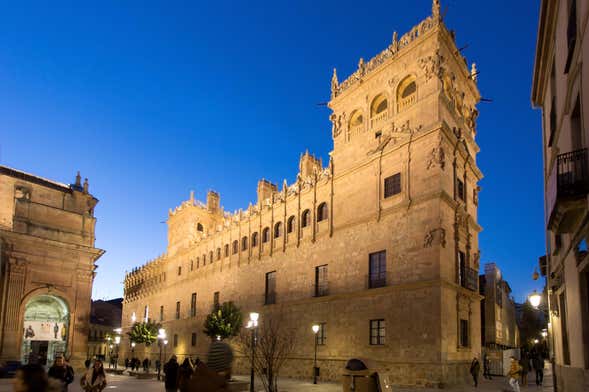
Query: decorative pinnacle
(78, 179)
(473, 72)
(436, 9)
(334, 83)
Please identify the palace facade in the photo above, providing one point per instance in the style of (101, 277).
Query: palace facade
(379, 246)
(47, 257)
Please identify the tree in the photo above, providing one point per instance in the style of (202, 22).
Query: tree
(276, 340)
(144, 332)
(224, 321)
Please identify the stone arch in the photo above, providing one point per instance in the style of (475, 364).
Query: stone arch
(379, 109)
(355, 123)
(406, 92)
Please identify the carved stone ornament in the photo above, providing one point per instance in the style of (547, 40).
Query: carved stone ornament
(437, 157)
(476, 257)
(22, 193)
(475, 195)
(432, 65)
(439, 233)
(337, 122)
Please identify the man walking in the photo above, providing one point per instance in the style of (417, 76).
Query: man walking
(62, 372)
(475, 368)
(538, 364)
(171, 372)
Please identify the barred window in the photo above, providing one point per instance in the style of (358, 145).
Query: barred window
(322, 211)
(193, 340)
(464, 333)
(377, 332)
(460, 189)
(193, 305)
(305, 218)
(177, 310)
(392, 185)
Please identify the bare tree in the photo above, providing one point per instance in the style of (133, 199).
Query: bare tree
(275, 341)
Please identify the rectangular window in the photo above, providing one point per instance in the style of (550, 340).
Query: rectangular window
(270, 297)
(193, 305)
(461, 269)
(321, 335)
(571, 34)
(193, 339)
(460, 189)
(192, 265)
(178, 310)
(321, 285)
(146, 313)
(392, 185)
(464, 333)
(377, 332)
(162, 313)
(175, 340)
(377, 269)
(566, 352)
(216, 299)
(499, 295)
(179, 270)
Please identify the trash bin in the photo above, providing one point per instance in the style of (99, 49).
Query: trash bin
(358, 378)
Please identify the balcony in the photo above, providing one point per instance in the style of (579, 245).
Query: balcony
(566, 191)
(321, 289)
(469, 279)
(378, 279)
(377, 119)
(406, 102)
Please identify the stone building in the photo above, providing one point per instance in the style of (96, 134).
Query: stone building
(105, 320)
(560, 87)
(379, 246)
(47, 257)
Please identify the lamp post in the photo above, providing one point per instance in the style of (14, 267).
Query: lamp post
(315, 328)
(165, 346)
(117, 342)
(161, 336)
(252, 324)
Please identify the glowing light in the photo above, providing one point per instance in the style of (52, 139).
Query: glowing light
(254, 316)
(535, 299)
(315, 328)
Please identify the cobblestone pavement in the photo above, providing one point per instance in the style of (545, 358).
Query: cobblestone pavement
(126, 383)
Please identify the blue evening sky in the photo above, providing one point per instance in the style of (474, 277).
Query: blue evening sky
(152, 99)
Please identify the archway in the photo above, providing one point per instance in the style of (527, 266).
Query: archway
(45, 329)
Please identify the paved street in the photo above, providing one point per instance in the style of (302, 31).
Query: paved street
(126, 383)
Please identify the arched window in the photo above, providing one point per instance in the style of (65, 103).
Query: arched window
(244, 243)
(210, 256)
(255, 239)
(290, 224)
(378, 110)
(406, 93)
(322, 212)
(235, 247)
(305, 218)
(277, 229)
(199, 227)
(226, 250)
(356, 123)
(266, 235)
(218, 253)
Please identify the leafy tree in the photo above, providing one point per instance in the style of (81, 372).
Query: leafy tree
(144, 332)
(224, 321)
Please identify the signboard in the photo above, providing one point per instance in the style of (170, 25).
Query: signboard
(45, 330)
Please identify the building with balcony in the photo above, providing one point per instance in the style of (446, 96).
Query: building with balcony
(105, 318)
(47, 266)
(560, 88)
(379, 246)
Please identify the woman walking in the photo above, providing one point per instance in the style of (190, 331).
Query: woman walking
(95, 379)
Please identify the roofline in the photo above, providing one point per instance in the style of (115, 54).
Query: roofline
(545, 32)
(21, 175)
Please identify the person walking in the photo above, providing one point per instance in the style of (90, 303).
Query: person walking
(62, 372)
(30, 378)
(513, 374)
(220, 358)
(486, 367)
(538, 364)
(126, 363)
(475, 368)
(95, 379)
(145, 365)
(171, 371)
(184, 373)
(525, 365)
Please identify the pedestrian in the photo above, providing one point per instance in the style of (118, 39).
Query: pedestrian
(184, 374)
(513, 374)
(95, 379)
(87, 364)
(475, 368)
(486, 367)
(538, 364)
(220, 358)
(525, 365)
(126, 363)
(30, 378)
(61, 371)
(158, 365)
(171, 371)
(145, 365)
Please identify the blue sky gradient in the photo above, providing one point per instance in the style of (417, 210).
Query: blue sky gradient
(152, 99)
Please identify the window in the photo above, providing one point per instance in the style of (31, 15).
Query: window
(406, 93)
(321, 335)
(265, 235)
(571, 34)
(377, 332)
(199, 227)
(211, 256)
(179, 270)
(255, 239)
(305, 218)
(146, 313)
(216, 299)
(162, 313)
(464, 333)
(175, 340)
(552, 118)
(322, 211)
(270, 297)
(290, 224)
(377, 269)
(461, 269)
(198, 262)
(460, 189)
(378, 109)
(277, 229)
(192, 265)
(218, 253)
(235, 247)
(193, 339)
(566, 352)
(226, 250)
(576, 129)
(204, 260)
(178, 310)
(499, 295)
(321, 285)
(392, 185)
(193, 305)
(244, 243)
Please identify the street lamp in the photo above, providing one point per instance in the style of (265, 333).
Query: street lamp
(117, 342)
(315, 328)
(161, 336)
(132, 348)
(535, 299)
(252, 324)
(133, 317)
